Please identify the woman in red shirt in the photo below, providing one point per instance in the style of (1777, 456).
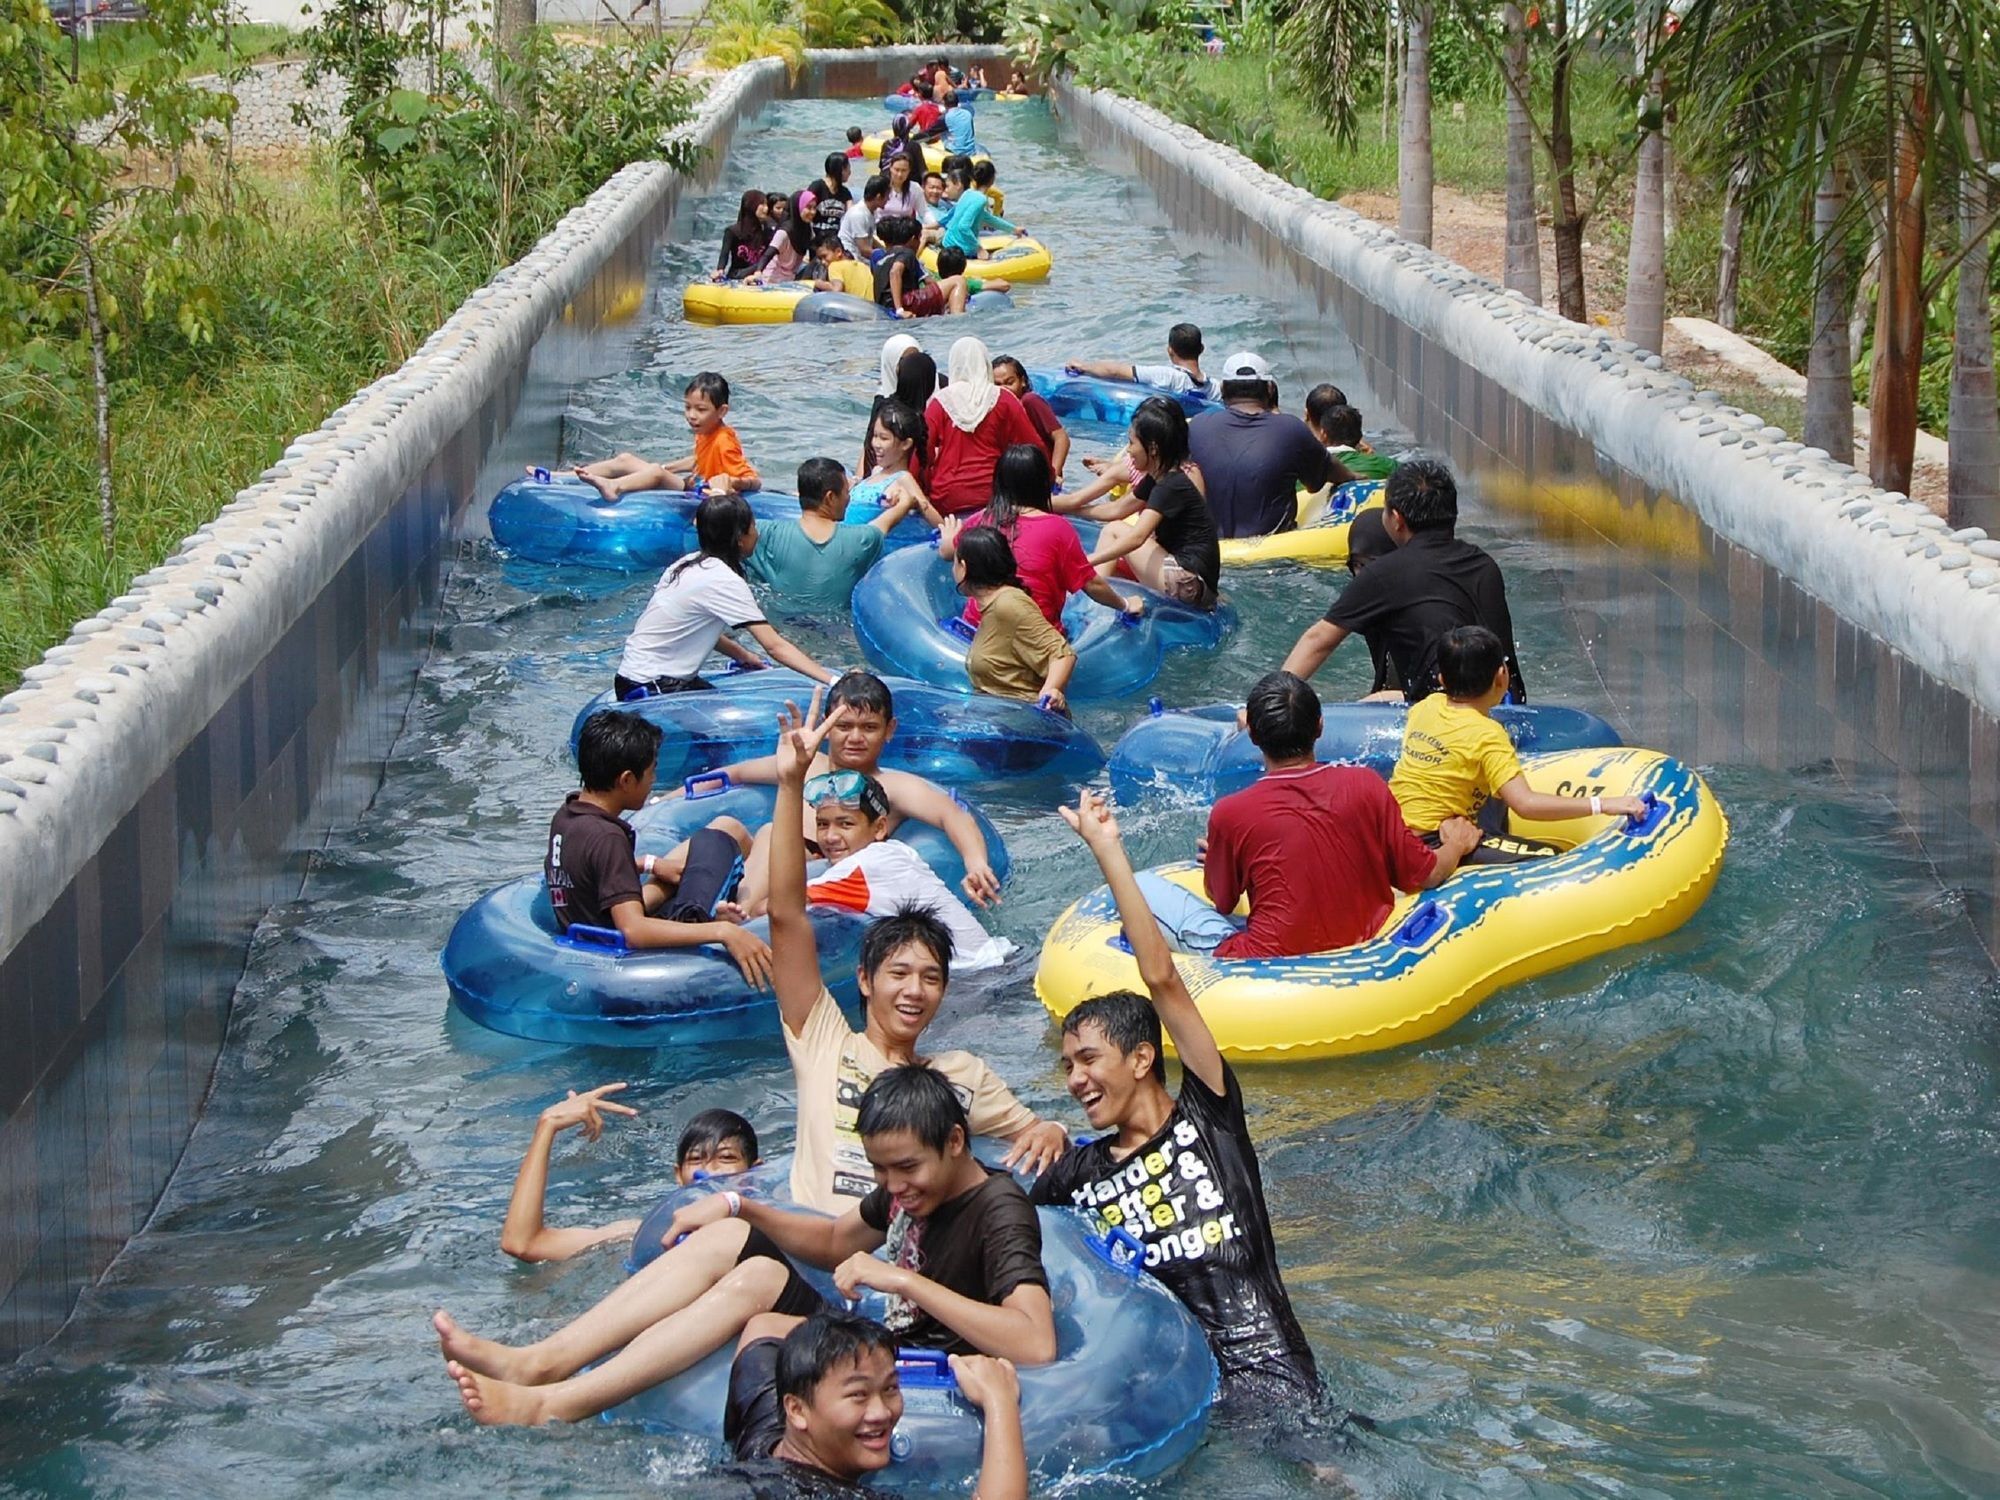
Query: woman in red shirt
(968, 425)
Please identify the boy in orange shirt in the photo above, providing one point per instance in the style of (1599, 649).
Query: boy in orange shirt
(717, 464)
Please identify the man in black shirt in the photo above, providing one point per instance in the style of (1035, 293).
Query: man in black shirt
(813, 1407)
(964, 1272)
(1180, 1175)
(1431, 583)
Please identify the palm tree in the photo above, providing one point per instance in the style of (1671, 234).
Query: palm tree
(1414, 171)
(1973, 497)
(1524, 247)
(1646, 258)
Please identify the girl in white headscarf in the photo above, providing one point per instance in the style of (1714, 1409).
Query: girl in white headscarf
(908, 375)
(968, 425)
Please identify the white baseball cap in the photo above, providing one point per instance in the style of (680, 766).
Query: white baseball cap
(1243, 365)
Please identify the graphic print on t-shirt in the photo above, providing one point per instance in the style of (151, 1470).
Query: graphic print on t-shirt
(853, 1173)
(1166, 1198)
(906, 1249)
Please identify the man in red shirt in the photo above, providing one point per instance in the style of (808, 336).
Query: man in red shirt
(1320, 850)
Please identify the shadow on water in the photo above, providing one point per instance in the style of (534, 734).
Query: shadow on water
(1720, 1216)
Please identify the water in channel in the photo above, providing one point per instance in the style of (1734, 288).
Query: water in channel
(1721, 1216)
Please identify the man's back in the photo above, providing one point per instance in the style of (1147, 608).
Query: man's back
(1432, 583)
(1253, 464)
(1320, 851)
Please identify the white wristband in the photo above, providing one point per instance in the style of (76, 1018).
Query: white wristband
(735, 1202)
(646, 865)
(1596, 806)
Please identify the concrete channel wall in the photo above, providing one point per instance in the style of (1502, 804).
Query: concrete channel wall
(1741, 597)
(165, 771)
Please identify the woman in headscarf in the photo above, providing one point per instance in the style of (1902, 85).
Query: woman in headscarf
(908, 375)
(968, 425)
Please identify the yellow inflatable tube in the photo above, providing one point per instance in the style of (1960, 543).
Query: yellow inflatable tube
(1321, 537)
(1015, 258)
(934, 152)
(1442, 952)
(750, 302)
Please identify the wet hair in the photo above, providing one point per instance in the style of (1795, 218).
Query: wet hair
(708, 383)
(612, 743)
(1011, 363)
(863, 692)
(909, 923)
(720, 524)
(819, 478)
(711, 1129)
(988, 557)
(916, 381)
(836, 166)
(902, 424)
(1468, 659)
(917, 1098)
(875, 187)
(1367, 540)
(1161, 427)
(1021, 481)
(950, 262)
(896, 230)
(1284, 715)
(822, 1344)
(983, 174)
(854, 135)
(1423, 493)
(1127, 1020)
(1184, 339)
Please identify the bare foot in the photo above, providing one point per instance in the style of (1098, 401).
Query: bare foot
(495, 1403)
(486, 1356)
(603, 487)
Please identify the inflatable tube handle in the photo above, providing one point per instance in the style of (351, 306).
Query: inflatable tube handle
(1120, 1249)
(1155, 707)
(955, 625)
(539, 474)
(925, 1370)
(1129, 621)
(597, 939)
(707, 784)
(1648, 823)
(1421, 926)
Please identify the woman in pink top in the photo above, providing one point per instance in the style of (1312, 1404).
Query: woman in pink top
(968, 425)
(1048, 555)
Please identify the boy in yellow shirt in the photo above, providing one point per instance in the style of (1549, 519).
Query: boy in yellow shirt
(1457, 762)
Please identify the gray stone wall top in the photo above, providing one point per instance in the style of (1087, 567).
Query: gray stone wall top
(1880, 560)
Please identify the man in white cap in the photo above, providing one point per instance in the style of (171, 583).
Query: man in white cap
(1254, 458)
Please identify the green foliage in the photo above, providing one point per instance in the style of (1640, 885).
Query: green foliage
(742, 31)
(847, 23)
(1044, 35)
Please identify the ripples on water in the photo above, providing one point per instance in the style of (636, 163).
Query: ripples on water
(1718, 1217)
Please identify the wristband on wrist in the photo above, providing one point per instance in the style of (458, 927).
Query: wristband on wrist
(646, 865)
(1596, 806)
(735, 1202)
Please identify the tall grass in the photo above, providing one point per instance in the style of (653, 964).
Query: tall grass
(123, 48)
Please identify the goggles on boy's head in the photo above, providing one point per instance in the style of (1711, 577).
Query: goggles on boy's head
(849, 789)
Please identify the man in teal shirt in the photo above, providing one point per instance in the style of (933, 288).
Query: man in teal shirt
(813, 563)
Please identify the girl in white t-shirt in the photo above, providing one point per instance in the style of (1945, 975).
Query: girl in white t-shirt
(695, 603)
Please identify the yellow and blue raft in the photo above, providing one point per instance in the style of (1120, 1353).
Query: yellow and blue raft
(752, 302)
(1320, 538)
(1619, 881)
(1013, 257)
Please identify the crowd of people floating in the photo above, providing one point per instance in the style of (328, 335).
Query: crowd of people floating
(885, 1125)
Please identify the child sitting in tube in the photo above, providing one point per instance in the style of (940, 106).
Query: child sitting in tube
(866, 871)
(1457, 762)
(715, 1143)
(717, 464)
(596, 879)
(866, 719)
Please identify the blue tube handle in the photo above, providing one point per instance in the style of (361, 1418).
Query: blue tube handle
(707, 784)
(925, 1369)
(1650, 821)
(583, 935)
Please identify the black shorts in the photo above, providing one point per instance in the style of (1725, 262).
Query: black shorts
(798, 1299)
(624, 689)
(1496, 845)
(753, 1423)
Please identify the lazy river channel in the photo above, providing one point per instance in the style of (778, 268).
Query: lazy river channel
(1721, 1216)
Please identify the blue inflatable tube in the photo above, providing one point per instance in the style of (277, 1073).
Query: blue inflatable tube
(564, 520)
(953, 738)
(1086, 398)
(864, 504)
(839, 307)
(899, 104)
(1127, 1397)
(906, 616)
(1199, 754)
(509, 969)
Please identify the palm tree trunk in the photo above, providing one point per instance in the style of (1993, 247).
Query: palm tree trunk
(1899, 315)
(1973, 487)
(1830, 364)
(1567, 229)
(100, 384)
(1388, 66)
(1729, 270)
(1413, 154)
(1646, 259)
(1524, 247)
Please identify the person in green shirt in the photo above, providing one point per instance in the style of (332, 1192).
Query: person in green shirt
(813, 563)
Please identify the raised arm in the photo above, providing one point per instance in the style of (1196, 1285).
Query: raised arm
(524, 1236)
(794, 949)
(993, 1386)
(1095, 825)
